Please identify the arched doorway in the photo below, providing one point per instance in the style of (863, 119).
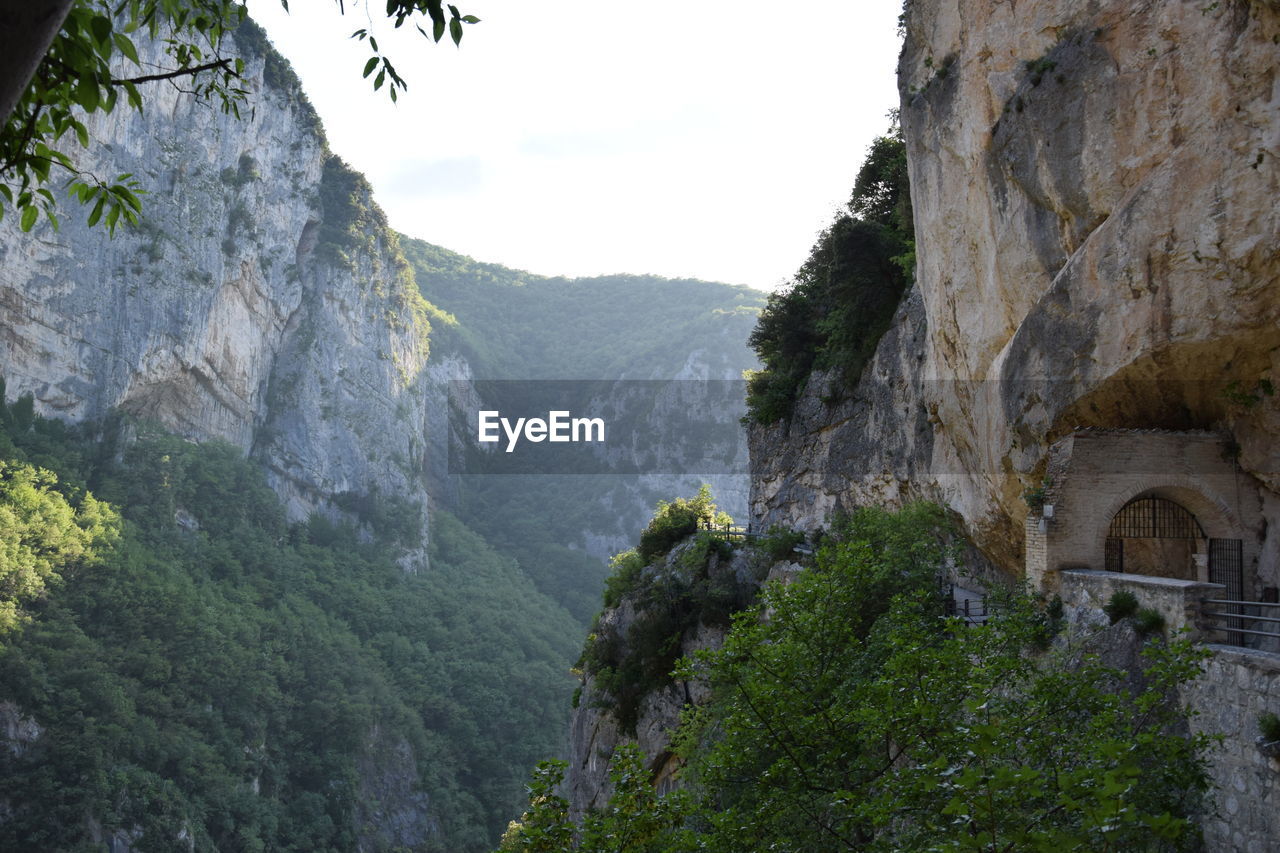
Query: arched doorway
(1157, 536)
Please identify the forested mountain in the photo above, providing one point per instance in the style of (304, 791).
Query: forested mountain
(516, 325)
(183, 666)
(231, 615)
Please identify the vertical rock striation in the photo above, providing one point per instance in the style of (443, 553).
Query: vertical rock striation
(262, 300)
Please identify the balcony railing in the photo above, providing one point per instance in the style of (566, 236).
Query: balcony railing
(1242, 619)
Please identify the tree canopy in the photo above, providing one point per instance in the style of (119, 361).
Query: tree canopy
(200, 670)
(847, 712)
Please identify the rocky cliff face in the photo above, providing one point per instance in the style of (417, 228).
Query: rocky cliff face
(262, 300)
(1094, 188)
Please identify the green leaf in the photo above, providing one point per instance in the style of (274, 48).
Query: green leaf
(100, 26)
(96, 213)
(437, 28)
(86, 94)
(29, 216)
(379, 80)
(471, 19)
(126, 47)
(455, 30)
(134, 96)
(369, 66)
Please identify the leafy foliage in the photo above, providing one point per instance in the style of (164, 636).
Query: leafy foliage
(695, 585)
(45, 535)
(78, 76)
(625, 577)
(863, 719)
(677, 520)
(201, 666)
(780, 542)
(635, 820)
(841, 301)
(1269, 726)
(1148, 620)
(848, 713)
(1122, 603)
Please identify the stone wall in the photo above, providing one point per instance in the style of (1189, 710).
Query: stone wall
(1085, 591)
(1236, 687)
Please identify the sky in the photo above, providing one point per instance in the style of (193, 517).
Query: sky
(705, 139)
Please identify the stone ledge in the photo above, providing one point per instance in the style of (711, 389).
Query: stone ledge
(1085, 591)
(1254, 658)
(1123, 579)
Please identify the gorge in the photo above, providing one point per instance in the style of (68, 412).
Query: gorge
(296, 622)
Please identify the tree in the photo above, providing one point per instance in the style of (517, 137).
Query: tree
(855, 716)
(635, 820)
(842, 299)
(61, 60)
(44, 535)
(848, 713)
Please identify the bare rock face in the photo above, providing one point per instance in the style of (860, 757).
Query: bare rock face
(262, 300)
(1094, 188)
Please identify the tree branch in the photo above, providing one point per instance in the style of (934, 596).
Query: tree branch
(224, 64)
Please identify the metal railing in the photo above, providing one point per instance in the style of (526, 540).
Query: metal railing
(974, 611)
(730, 531)
(1254, 614)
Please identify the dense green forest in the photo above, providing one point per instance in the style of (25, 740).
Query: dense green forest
(203, 670)
(846, 711)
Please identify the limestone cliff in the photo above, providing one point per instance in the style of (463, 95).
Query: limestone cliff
(1094, 191)
(262, 299)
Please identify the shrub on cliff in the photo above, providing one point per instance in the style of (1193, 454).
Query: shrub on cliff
(677, 520)
(672, 596)
(842, 300)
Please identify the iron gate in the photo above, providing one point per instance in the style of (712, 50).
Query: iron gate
(1226, 566)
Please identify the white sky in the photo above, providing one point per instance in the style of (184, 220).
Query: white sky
(708, 138)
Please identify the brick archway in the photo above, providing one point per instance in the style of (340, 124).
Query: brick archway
(1214, 516)
(1093, 474)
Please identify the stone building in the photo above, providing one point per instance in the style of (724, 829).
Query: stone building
(1169, 517)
